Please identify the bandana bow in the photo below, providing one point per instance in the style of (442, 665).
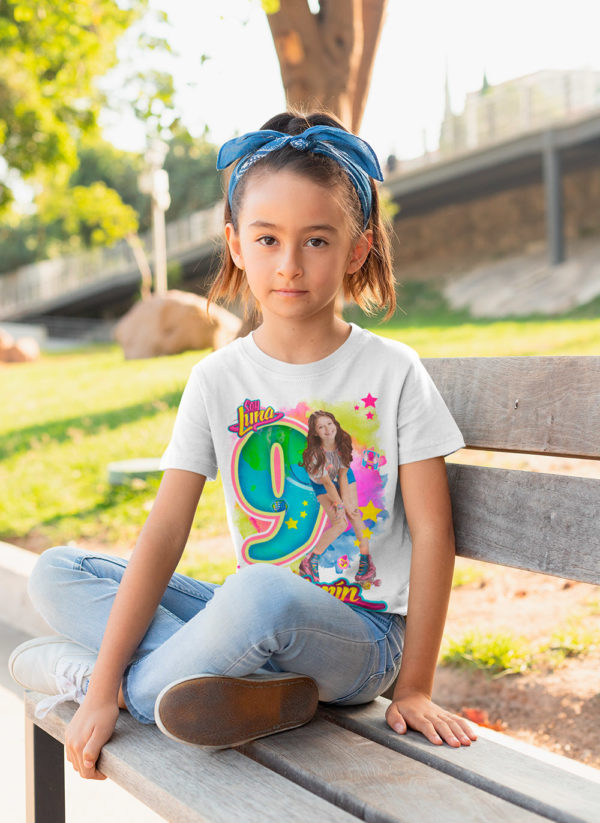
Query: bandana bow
(354, 155)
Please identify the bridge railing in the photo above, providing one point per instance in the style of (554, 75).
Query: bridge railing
(31, 287)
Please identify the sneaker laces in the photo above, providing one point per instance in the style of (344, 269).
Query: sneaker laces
(70, 679)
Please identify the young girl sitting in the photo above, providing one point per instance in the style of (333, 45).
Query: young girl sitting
(220, 665)
(327, 460)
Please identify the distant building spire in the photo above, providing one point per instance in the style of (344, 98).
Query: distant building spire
(447, 104)
(485, 86)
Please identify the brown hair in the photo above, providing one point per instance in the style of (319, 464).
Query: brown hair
(313, 456)
(371, 286)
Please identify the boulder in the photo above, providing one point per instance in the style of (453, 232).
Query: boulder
(24, 350)
(174, 322)
(6, 342)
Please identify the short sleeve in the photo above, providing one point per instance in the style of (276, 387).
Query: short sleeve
(191, 446)
(425, 426)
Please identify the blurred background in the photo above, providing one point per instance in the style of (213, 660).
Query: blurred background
(486, 121)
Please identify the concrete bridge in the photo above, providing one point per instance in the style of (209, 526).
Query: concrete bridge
(102, 274)
(67, 284)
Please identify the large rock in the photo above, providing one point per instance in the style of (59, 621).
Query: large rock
(24, 350)
(6, 342)
(172, 323)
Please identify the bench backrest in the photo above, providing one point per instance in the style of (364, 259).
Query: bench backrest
(535, 405)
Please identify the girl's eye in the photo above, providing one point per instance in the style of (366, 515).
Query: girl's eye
(266, 240)
(317, 240)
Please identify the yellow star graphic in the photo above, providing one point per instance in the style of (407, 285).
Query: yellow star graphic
(302, 514)
(367, 532)
(370, 512)
(357, 542)
(291, 524)
(305, 502)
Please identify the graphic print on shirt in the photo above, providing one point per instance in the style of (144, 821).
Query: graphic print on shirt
(290, 468)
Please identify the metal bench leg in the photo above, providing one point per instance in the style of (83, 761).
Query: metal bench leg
(45, 769)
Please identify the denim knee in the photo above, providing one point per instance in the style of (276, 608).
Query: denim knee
(51, 568)
(262, 583)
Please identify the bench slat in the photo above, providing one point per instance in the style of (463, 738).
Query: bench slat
(187, 784)
(552, 786)
(529, 520)
(376, 783)
(558, 410)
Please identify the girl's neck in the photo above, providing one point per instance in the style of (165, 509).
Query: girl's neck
(299, 343)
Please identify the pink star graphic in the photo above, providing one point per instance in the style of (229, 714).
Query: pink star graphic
(369, 400)
(369, 415)
(356, 408)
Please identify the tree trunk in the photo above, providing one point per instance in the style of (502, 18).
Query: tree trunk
(326, 59)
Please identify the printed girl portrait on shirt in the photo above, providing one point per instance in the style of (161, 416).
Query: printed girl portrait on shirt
(327, 460)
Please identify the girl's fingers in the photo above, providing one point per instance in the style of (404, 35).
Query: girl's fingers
(446, 732)
(90, 755)
(467, 728)
(438, 729)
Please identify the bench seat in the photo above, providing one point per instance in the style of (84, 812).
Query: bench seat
(345, 765)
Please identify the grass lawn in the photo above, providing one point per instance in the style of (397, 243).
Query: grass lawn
(64, 418)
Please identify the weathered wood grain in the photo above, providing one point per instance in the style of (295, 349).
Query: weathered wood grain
(530, 520)
(551, 786)
(375, 783)
(537, 405)
(185, 784)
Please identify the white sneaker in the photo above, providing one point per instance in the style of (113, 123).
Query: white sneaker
(53, 665)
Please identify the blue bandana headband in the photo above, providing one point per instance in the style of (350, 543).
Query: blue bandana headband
(354, 155)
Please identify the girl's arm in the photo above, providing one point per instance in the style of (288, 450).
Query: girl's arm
(426, 497)
(152, 564)
(349, 504)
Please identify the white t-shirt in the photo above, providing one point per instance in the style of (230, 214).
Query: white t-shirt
(246, 414)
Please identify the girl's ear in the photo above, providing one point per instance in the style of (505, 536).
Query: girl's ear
(360, 251)
(235, 248)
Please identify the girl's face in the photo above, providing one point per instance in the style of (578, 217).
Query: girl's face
(294, 243)
(325, 428)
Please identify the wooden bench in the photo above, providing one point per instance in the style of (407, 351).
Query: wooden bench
(347, 764)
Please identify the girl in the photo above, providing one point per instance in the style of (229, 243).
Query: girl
(327, 459)
(220, 665)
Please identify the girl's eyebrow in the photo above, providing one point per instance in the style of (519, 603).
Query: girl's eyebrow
(316, 227)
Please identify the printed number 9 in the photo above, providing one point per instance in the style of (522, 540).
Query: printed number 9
(274, 490)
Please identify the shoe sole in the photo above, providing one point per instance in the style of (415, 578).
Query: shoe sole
(219, 712)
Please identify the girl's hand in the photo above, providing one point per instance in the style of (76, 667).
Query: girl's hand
(352, 509)
(339, 513)
(415, 710)
(91, 726)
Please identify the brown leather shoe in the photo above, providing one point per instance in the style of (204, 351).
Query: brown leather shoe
(218, 712)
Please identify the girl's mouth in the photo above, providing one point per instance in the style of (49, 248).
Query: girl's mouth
(290, 292)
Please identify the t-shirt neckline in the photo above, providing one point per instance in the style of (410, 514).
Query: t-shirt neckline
(332, 360)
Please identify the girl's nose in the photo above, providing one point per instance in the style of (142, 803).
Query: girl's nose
(289, 263)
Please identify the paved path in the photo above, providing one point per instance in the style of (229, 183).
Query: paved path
(87, 800)
(525, 284)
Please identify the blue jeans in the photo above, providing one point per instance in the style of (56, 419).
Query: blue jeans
(264, 617)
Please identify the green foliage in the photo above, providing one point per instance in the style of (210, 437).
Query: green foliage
(101, 202)
(466, 576)
(194, 182)
(51, 53)
(270, 6)
(101, 162)
(94, 215)
(572, 640)
(213, 570)
(498, 654)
